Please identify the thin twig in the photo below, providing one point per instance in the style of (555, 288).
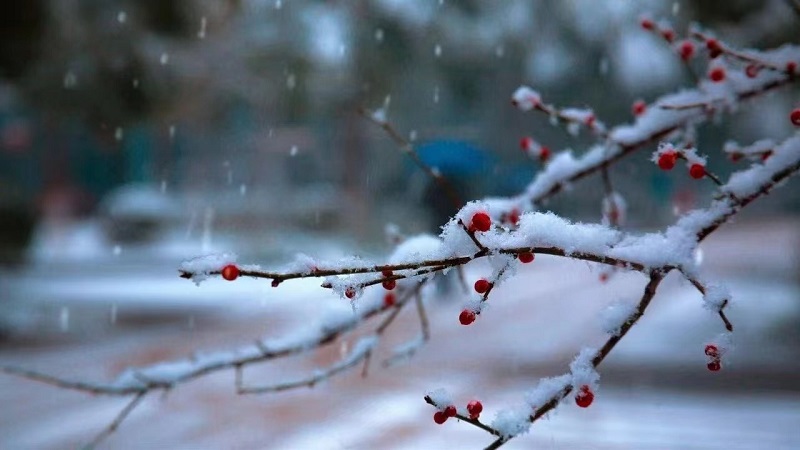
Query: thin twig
(116, 422)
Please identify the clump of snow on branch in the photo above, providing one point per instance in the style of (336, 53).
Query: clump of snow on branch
(537, 229)
(512, 422)
(201, 267)
(526, 98)
(615, 315)
(441, 398)
(716, 297)
(746, 182)
(583, 371)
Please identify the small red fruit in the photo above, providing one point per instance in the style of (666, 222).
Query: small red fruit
(714, 365)
(388, 300)
(350, 293)
(275, 283)
(667, 160)
(230, 272)
(668, 35)
(686, 50)
(439, 417)
(712, 350)
(647, 24)
(794, 116)
(585, 397)
(526, 143)
(765, 156)
(513, 216)
(791, 68)
(697, 171)
(466, 317)
(482, 285)
(450, 411)
(639, 107)
(751, 70)
(544, 153)
(736, 156)
(590, 120)
(480, 222)
(526, 257)
(389, 284)
(714, 48)
(474, 408)
(387, 273)
(717, 74)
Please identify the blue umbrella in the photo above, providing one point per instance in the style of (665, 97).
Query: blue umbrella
(455, 158)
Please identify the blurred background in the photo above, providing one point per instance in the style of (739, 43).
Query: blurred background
(136, 134)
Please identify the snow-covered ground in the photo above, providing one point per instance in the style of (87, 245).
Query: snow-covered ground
(655, 391)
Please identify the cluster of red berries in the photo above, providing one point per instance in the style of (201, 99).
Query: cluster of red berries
(667, 160)
(474, 408)
(388, 284)
(715, 363)
(585, 397)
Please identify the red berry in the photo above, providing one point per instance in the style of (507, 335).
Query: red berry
(275, 283)
(439, 417)
(466, 317)
(230, 272)
(450, 411)
(480, 222)
(794, 116)
(667, 160)
(686, 50)
(590, 119)
(474, 408)
(717, 74)
(482, 285)
(736, 156)
(668, 35)
(791, 68)
(350, 293)
(714, 48)
(751, 70)
(389, 284)
(388, 300)
(513, 216)
(525, 257)
(639, 107)
(647, 24)
(712, 350)
(387, 273)
(544, 153)
(697, 171)
(765, 156)
(526, 143)
(585, 397)
(714, 365)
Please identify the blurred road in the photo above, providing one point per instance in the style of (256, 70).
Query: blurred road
(655, 390)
